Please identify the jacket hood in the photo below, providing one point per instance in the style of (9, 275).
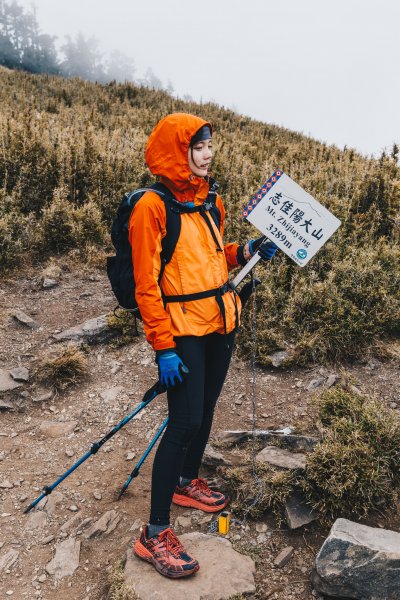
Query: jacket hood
(167, 150)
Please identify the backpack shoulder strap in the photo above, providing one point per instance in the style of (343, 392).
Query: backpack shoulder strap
(172, 225)
(173, 211)
(211, 201)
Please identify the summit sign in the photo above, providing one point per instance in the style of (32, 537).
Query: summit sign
(290, 217)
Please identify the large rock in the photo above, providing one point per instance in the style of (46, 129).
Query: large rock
(7, 383)
(24, 319)
(106, 524)
(294, 442)
(66, 559)
(36, 520)
(48, 284)
(56, 429)
(223, 573)
(49, 503)
(43, 395)
(279, 358)
(297, 512)
(6, 404)
(359, 562)
(92, 331)
(8, 559)
(20, 374)
(213, 458)
(279, 457)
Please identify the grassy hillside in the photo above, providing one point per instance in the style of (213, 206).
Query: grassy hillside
(69, 149)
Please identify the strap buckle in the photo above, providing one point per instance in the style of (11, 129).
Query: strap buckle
(224, 288)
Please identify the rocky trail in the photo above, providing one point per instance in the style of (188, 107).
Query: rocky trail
(70, 546)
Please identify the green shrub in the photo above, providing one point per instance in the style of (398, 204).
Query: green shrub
(15, 234)
(65, 227)
(57, 225)
(356, 467)
(329, 315)
(125, 324)
(253, 494)
(88, 227)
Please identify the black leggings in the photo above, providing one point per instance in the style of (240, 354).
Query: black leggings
(191, 409)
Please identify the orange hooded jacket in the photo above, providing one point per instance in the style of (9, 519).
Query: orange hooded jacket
(196, 265)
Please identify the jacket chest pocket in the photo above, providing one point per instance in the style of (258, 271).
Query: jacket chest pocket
(199, 263)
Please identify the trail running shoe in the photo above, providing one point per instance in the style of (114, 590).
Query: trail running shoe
(166, 554)
(197, 494)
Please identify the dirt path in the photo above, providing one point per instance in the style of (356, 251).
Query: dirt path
(31, 458)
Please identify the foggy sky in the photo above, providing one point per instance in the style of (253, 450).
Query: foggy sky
(326, 68)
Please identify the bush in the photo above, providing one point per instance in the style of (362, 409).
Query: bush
(254, 493)
(57, 225)
(333, 314)
(356, 467)
(123, 322)
(64, 227)
(15, 234)
(88, 227)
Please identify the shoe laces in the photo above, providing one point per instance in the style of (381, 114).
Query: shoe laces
(201, 486)
(172, 543)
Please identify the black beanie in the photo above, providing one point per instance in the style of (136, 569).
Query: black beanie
(204, 133)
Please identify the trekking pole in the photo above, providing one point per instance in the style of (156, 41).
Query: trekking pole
(247, 268)
(154, 391)
(249, 287)
(136, 470)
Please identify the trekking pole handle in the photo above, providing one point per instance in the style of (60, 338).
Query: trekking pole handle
(184, 370)
(245, 271)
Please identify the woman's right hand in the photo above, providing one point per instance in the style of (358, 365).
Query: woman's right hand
(170, 368)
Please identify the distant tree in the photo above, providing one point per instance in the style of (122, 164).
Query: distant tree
(169, 87)
(82, 59)
(151, 80)
(120, 67)
(22, 46)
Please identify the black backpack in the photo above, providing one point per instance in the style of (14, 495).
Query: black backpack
(120, 267)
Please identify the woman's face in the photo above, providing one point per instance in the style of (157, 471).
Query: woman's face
(199, 157)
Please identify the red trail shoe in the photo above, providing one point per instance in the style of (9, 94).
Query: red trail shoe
(166, 554)
(197, 494)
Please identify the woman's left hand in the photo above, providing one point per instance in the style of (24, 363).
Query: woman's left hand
(267, 249)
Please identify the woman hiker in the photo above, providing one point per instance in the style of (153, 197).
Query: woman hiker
(189, 317)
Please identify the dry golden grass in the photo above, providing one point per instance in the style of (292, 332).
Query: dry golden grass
(124, 322)
(69, 149)
(64, 368)
(117, 588)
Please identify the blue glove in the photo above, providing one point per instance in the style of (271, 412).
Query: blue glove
(170, 368)
(267, 250)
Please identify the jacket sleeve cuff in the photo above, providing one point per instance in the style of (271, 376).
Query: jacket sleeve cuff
(163, 351)
(240, 257)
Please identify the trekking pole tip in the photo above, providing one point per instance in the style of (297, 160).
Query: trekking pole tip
(122, 491)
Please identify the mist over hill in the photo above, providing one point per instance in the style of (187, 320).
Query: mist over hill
(70, 148)
(23, 46)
